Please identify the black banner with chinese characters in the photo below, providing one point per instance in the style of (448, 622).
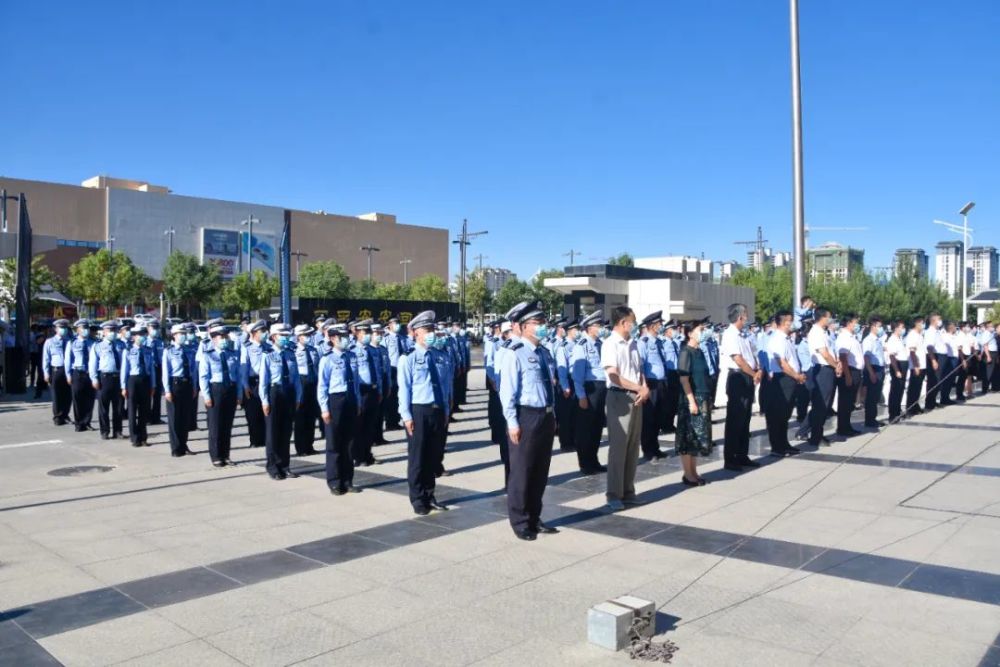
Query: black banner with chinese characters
(379, 310)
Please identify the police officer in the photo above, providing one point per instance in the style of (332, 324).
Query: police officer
(826, 369)
(498, 427)
(462, 346)
(251, 351)
(280, 396)
(54, 372)
(590, 387)
(338, 395)
(565, 402)
(449, 363)
(104, 370)
(423, 408)
(307, 358)
(786, 375)
(371, 386)
(137, 374)
(387, 381)
(154, 341)
(318, 337)
(395, 345)
(179, 389)
(194, 344)
(77, 356)
(218, 380)
(654, 370)
(672, 341)
(527, 397)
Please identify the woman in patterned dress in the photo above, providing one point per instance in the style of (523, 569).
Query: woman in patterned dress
(694, 410)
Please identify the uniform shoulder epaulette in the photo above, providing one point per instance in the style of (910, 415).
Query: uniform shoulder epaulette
(517, 346)
(506, 344)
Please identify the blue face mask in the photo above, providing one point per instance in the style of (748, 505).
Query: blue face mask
(439, 343)
(155, 333)
(341, 344)
(430, 339)
(284, 341)
(62, 331)
(604, 333)
(704, 336)
(365, 339)
(541, 331)
(142, 341)
(634, 331)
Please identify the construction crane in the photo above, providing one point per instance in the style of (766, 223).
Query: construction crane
(572, 254)
(758, 247)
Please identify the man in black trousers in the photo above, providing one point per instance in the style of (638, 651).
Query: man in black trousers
(740, 361)
(826, 369)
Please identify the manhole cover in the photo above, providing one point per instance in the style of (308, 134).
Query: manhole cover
(73, 471)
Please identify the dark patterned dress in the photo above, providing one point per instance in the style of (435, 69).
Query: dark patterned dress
(694, 432)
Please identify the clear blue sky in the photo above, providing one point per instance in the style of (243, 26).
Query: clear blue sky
(655, 127)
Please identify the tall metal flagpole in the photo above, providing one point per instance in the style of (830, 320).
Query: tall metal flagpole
(798, 204)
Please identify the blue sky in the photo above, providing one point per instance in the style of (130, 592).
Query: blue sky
(657, 127)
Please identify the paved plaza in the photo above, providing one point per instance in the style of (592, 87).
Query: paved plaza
(880, 550)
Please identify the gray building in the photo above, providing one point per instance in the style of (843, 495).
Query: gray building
(497, 278)
(915, 257)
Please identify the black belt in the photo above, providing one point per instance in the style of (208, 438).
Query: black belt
(177, 379)
(530, 408)
(433, 406)
(366, 388)
(111, 374)
(338, 393)
(622, 391)
(253, 379)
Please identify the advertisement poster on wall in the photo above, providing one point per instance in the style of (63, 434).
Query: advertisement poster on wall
(264, 250)
(221, 247)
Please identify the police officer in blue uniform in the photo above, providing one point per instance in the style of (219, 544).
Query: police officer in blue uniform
(370, 378)
(155, 343)
(394, 342)
(280, 396)
(338, 395)
(137, 375)
(318, 337)
(54, 371)
(498, 427)
(251, 351)
(194, 344)
(654, 369)
(591, 390)
(219, 383)
(179, 378)
(527, 397)
(423, 408)
(442, 342)
(385, 368)
(104, 370)
(671, 348)
(78, 366)
(307, 358)
(565, 401)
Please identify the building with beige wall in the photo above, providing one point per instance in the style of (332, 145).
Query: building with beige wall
(81, 219)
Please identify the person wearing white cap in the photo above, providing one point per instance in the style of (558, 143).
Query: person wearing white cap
(280, 396)
(155, 343)
(138, 372)
(306, 417)
(218, 379)
(179, 389)
(251, 351)
(55, 372)
(104, 370)
(77, 364)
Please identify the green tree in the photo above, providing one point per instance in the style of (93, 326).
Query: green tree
(108, 278)
(323, 280)
(429, 287)
(246, 293)
(512, 293)
(392, 291)
(41, 277)
(624, 259)
(773, 289)
(552, 301)
(477, 297)
(362, 289)
(188, 282)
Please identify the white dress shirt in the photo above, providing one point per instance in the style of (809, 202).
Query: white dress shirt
(915, 342)
(780, 346)
(848, 343)
(874, 350)
(894, 347)
(616, 352)
(818, 340)
(734, 342)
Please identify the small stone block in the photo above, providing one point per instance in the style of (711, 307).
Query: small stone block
(642, 608)
(608, 624)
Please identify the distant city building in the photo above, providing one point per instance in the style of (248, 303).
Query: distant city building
(758, 259)
(689, 268)
(728, 269)
(982, 267)
(832, 261)
(947, 263)
(497, 278)
(915, 257)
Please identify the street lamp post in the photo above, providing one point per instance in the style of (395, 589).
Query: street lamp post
(405, 263)
(298, 259)
(169, 233)
(463, 242)
(966, 233)
(249, 222)
(370, 249)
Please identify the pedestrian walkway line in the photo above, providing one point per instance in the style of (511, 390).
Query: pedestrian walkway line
(31, 444)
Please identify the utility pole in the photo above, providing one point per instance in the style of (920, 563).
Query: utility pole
(298, 258)
(798, 202)
(463, 242)
(572, 254)
(369, 249)
(405, 262)
(110, 244)
(169, 233)
(249, 223)
(479, 258)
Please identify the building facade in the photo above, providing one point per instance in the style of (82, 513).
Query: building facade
(137, 218)
(832, 261)
(982, 267)
(496, 278)
(915, 257)
(947, 266)
(689, 268)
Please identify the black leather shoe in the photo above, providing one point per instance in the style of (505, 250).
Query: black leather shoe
(105, 436)
(526, 535)
(824, 442)
(435, 505)
(734, 467)
(188, 452)
(228, 462)
(445, 473)
(747, 463)
(338, 491)
(781, 453)
(116, 436)
(422, 511)
(288, 473)
(277, 475)
(137, 444)
(353, 489)
(219, 464)
(688, 482)
(177, 455)
(543, 527)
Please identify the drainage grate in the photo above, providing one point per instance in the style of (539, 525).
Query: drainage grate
(73, 471)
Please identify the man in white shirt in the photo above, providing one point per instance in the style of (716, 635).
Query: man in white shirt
(786, 375)
(627, 392)
(852, 362)
(898, 361)
(826, 369)
(967, 353)
(918, 362)
(874, 373)
(988, 372)
(935, 350)
(740, 363)
(949, 360)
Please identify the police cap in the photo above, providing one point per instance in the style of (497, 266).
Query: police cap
(424, 320)
(595, 318)
(655, 316)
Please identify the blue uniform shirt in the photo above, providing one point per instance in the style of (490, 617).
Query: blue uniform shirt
(654, 361)
(420, 381)
(156, 345)
(78, 354)
(338, 373)
(54, 355)
(210, 370)
(503, 347)
(250, 356)
(528, 379)
(105, 357)
(671, 352)
(137, 360)
(178, 363)
(563, 351)
(585, 364)
(279, 368)
(368, 373)
(307, 358)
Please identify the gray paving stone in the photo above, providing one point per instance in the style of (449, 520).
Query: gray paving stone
(176, 587)
(264, 566)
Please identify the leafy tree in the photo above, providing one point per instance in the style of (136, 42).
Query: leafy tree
(624, 259)
(429, 287)
(246, 293)
(108, 278)
(188, 282)
(512, 293)
(362, 289)
(477, 297)
(392, 291)
(552, 301)
(41, 276)
(323, 280)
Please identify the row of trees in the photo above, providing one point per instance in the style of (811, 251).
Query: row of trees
(328, 280)
(902, 295)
